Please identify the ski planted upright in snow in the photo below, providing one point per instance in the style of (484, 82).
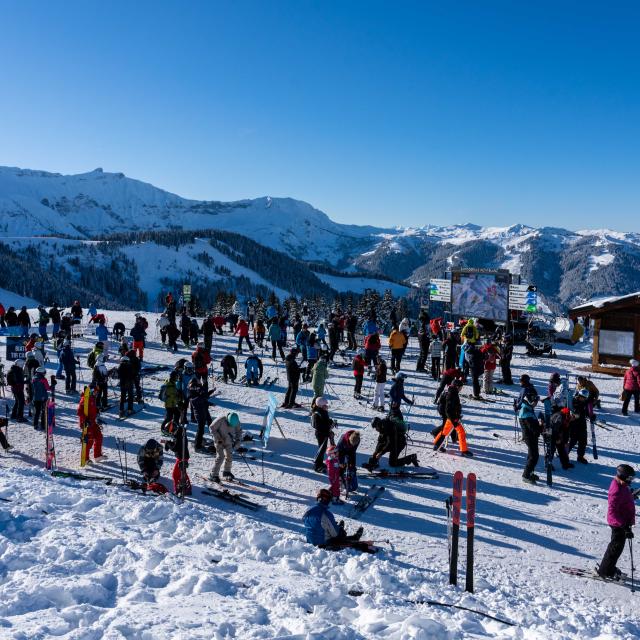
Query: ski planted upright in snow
(50, 459)
(471, 521)
(455, 526)
(84, 437)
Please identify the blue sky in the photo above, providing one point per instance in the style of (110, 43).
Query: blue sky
(386, 113)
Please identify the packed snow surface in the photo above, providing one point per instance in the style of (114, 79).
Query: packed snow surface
(83, 560)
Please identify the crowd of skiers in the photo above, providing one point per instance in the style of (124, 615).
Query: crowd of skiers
(452, 356)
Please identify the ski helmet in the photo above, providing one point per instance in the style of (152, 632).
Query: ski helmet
(401, 375)
(188, 366)
(19, 362)
(99, 344)
(41, 370)
(233, 419)
(525, 378)
(324, 496)
(322, 402)
(625, 472)
(555, 376)
(124, 359)
(152, 446)
(584, 393)
(634, 363)
(30, 355)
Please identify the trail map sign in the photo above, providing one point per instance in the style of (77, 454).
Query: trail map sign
(523, 297)
(440, 290)
(186, 293)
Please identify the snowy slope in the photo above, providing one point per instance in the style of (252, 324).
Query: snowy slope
(102, 563)
(10, 299)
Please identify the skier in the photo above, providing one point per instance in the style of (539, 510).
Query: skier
(293, 378)
(371, 348)
(347, 449)
(312, 356)
(251, 314)
(94, 433)
(259, 332)
(392, 439)
(125, 376)
(194, 332)
(163, 323)
(470, 333)
(173, 333)
(475, 361)
(302, 341)
(594, 393)
(172, 398)
(453, 413)
(227, 436)
(43, 321)
(150, 459)
(201, 361)
(253, 366)
(381, 381)
(92, 311)
(321, 332)
(136, 367)
(98, 350)
(180, 446)
(274, 338)
(15, 379)
(100, 382)
(449, 349)
(396, 392)
(578, 425)
(397, 343)
(352, 325)
(76, 312)
(69, 362)
(55, 315)
(24, 322)
(321, 528)
(435, 350)
(242, 331)
(621, 516)
(560, 421)
(506, 355)
(199, 400)
(358, 374)
(424, 342)
(138, 334)
(332, 465)
(118, 331)
(334, 340)
(448, 376)
(229, 368)
(319, 377)
(631, 388)
(524, 406)
(491, 355)
(40, 395)
(322, 426)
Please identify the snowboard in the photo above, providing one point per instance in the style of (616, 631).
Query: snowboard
(372, 494)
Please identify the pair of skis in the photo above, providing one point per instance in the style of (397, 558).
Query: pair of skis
(454, 508)
(372, 494)
(269, 382)
(50, 449)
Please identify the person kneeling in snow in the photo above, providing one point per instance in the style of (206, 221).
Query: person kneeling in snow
(321, 528)
(150, 460)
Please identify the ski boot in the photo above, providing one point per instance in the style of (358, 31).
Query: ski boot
(414, 460)
(466, 454)
(227, 475)
(100, 458)
(214, 478)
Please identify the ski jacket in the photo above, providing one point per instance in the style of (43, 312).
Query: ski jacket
(40, 388)
(91, 358)
(224, 434)
(358, 366)
(594, 392)
(68, 358)
(352, 324)
(102, 333)
(125, 374)
(170, 395)
(163, 322)
(272, 312)
(11, 318)
(76, 311)
(396, 393)
(150, 460)
(436, 349)
(99, 376)
(397, 340)
(43, 318)
(92, 311)
(631, 379)
(199, 399)
(470, 333)
(293, 370)
(138, 333)
(370, 327)
(321, 422)
(134, 361)
(274, 332)
(92, 412)
(334, 336)
(474, 359)
(381, 372)
(201, 361)
(15, 376)
(449, 348)
(253, 365)
(320, 375)
(54, 314)
(321, 332)
(24, 320)
(621, 511)
(228, 364)
(347, 451)
(490, 354)
(242, 329)
(302, 339)
(435, 324)
(372, 342)
(506, 351)
(320, 526)
(452, 405)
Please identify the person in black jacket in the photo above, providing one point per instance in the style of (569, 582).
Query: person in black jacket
(229, 368)
(450, 351)
(15, 379)
(352, 325)
(69, 362)
(424, 340)
(322, 426)
(334, 339)
(126, 376)
(475, 359)
(506, 354)
(199, 399)
(293, 378)
(208, 327)
(150, 459)
(136, 366)
(392, 439)
(55, 315)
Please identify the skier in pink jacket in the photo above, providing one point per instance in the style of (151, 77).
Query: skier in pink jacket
(621, 516)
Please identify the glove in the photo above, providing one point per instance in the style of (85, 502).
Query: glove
(242, 449)
(628, 534)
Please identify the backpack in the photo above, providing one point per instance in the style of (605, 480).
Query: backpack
(91, 359)
(162, 394)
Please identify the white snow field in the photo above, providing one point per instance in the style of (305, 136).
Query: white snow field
(83, 560)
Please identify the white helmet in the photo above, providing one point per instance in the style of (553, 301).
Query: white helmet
(41, 370)
(401, 375)
(634, 363)
(19, 362)
(322, 402)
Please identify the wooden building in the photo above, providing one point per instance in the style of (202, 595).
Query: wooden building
(616, 331)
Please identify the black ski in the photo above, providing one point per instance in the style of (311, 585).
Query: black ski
(594, 447)
(405, 475)
(80, 476)
(455, 527)
(235, 498)
(130, 415)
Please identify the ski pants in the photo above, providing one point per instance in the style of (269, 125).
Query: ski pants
(228, 374)
(208, 340)
(378, 395)
(351, 340)
(17, 412)
(530, 432)
(181, 481)
(240, 339)
(358, 386)
(578, 434)
(292, 392)
(613, 552)
(224, 453)
(275, 344)
(138, 347)
(435, 367)
(396, 359)
(39, 414)
(449, 426)
(70, 379)
(488, 381)
(323, 441)
(172, 415)
(333, 473)
(126, 395)
(202, 421)
(4, 443)
(94, 440)
(252, 378)
(505, 366)
(163, 335)
(333, 349)
(371, 355)
(626, 397)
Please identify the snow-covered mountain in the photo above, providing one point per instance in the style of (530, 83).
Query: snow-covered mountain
(567, 266)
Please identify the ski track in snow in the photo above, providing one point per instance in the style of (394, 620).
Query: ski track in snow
(87, 561)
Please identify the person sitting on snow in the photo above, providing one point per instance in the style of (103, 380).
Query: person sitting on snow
(150, 459)
(321, 528)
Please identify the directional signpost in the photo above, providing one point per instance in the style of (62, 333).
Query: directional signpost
(440, 289)
(523, 297)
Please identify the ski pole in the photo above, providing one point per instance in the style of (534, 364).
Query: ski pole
(633, 587)
(126, 464)
(120, 459)
(247, 463)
